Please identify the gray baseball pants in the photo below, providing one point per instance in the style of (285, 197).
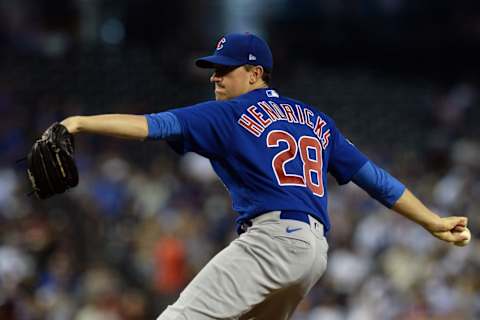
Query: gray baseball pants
(261, 275)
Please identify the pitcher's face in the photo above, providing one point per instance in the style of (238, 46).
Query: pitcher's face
(230, 82)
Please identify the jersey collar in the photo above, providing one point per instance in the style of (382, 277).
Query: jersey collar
(268, 92)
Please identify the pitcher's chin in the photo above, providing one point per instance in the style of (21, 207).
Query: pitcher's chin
(220, 95)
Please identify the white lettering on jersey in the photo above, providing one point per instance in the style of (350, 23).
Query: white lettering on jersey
(289, 113)
(257, 115)
(255, 122)
(249, 124)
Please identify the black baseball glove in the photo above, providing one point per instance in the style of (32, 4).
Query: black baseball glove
(51, 165)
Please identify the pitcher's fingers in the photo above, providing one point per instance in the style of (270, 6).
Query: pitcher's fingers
(449, 223)
(450, 237)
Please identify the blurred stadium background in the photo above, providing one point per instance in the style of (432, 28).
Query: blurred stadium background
(401, 78)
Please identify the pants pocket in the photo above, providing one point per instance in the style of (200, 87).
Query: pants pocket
(297, 243)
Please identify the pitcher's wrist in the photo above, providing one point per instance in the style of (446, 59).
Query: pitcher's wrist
(72, 124)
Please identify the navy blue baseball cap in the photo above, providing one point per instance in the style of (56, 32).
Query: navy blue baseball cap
(238, 49)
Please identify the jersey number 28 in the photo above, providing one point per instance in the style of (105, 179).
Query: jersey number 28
(311, 166)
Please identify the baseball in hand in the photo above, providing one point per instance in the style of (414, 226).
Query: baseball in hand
(465, 232)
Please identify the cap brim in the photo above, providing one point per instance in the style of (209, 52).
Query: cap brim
(212, 61)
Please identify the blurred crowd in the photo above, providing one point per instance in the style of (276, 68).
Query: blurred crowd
(143, 221)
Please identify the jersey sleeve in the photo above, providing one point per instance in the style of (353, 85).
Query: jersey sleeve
(206, 128)
(163, 125)
(379, 184)
(345, 159)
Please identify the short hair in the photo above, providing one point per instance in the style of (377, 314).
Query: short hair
(267, 74)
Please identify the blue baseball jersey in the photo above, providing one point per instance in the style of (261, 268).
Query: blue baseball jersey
(271, 152)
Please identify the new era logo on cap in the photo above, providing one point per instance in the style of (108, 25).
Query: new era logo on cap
(251, 57)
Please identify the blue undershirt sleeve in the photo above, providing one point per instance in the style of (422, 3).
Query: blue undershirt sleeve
(379, 184)
(163, 125)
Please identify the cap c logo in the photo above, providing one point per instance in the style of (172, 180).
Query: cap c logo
(220, 43)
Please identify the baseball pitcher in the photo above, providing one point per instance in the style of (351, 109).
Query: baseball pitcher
(273, 154)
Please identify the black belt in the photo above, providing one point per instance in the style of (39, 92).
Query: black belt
(295, 215)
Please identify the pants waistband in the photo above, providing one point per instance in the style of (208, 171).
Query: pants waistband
(281, 215)
(287, 214)
(277, 215)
